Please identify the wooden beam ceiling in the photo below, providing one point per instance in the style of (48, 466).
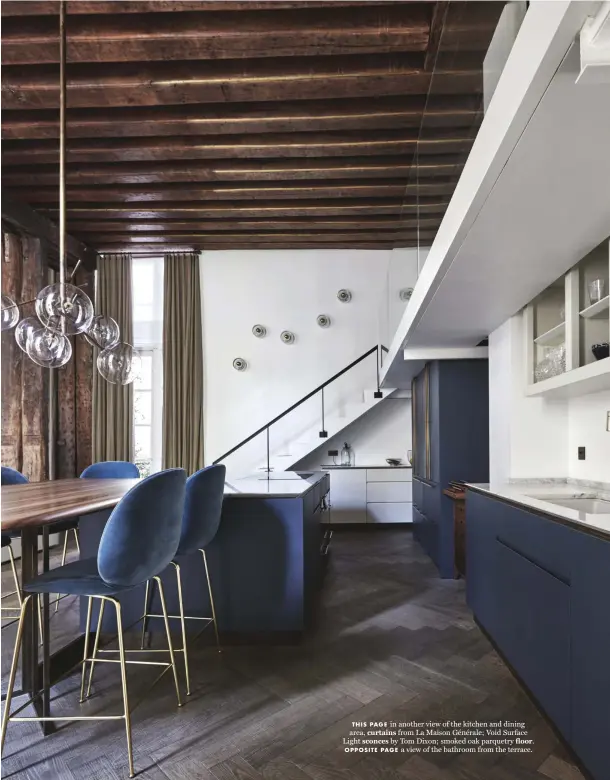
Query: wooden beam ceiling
(248, 124)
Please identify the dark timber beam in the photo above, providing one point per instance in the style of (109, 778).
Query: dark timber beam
(273, 117)
(264, 79)
(335, 144)
(49, 7)
(216, 35)
(28, 221)
(428, 166)
(377, 188)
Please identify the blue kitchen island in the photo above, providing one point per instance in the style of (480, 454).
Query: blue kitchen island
(538, 582)
(266, 562)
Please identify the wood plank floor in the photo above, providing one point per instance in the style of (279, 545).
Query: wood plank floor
(392, 642)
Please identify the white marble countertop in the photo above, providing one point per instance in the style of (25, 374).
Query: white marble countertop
(532, 494)
(279, 484)
(335, 466)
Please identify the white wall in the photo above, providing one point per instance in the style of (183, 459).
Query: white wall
(384, 432)
(286, 290)
(587, 428)
(528, 435)
(535, 437)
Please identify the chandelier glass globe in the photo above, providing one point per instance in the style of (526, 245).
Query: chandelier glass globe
(103, 332)
(48, 348)
(120, 364)
(65, 306)
(10, 313)
(24, 331)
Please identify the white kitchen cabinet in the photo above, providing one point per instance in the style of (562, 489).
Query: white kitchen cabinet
(394, 474)
(394, 512)
(348, 495)
(389, 492)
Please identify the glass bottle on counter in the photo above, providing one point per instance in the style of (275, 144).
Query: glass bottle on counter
(347, 455)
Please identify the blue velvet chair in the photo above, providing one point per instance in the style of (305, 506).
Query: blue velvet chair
(139, 541)
(111, 469)
(202, 511)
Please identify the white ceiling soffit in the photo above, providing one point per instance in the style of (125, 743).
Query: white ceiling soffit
(521, 213)
(595, 48)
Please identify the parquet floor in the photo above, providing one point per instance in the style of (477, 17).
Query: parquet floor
(392, 642)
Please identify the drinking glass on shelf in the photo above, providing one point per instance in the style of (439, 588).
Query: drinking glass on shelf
(597, 290)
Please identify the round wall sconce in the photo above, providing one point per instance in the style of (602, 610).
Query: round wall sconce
(287, 337)
(240, 364)
(323, 320)
(405, 294)
(260, 331)
(344, 296)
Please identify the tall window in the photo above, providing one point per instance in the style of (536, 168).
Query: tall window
(148, 339)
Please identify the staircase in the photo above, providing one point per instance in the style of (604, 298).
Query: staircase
(297, 447)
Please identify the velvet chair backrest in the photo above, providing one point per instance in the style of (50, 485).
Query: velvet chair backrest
(111, 469)
(142, 534)
(202, 508)
(12, 476)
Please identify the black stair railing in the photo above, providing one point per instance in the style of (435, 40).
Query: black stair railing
(379, 349)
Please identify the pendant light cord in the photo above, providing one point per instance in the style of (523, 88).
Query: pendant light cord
(62, 148)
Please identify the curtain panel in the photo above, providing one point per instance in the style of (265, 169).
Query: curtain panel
(113, 404)
(182, 364)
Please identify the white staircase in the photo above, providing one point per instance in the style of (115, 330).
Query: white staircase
(334, 423)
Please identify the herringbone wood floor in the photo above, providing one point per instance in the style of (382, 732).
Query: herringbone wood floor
(392, 642)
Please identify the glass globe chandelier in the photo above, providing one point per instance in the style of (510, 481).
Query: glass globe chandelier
(64, 309)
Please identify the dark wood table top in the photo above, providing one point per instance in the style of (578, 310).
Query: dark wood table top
(42, 503)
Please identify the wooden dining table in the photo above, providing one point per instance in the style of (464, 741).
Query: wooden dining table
(31, 509)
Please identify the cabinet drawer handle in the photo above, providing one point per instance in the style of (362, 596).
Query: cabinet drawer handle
(534, 562)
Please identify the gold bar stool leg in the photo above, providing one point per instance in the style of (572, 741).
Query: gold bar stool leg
(96, 644)
(63, 561)
(15, 577)
(183, 627)
(39, 604)
(147, 594)
(76, 539)
(11, 680)
(169, 637)
(119, 625)
(207, 574)
(86, 651)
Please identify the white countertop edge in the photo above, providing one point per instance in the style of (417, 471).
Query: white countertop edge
(515, 493)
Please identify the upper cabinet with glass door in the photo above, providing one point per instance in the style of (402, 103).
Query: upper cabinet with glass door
(568, 331)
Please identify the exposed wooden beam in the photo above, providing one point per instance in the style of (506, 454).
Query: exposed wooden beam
(49, 7)
(281, 78)
(269, 237)
(428, 166)
(29, 222)
(97, 228)
(337, 207)
(216, 35)
(143, 250)
(376, 188)
(335, 144)
(274, 117)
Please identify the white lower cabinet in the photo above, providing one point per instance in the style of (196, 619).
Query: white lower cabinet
(371, 495)
(391, 512)
(348, 496)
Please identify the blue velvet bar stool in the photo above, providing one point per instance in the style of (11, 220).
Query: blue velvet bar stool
(139, 541)
(202, 511)
(107, 469)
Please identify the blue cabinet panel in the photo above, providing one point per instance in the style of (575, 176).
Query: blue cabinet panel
(542, 591)
(534, 630)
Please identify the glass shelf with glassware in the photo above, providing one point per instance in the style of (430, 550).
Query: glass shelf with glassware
(568, 330)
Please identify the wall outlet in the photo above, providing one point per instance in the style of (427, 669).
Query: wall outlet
(333, 453)
(581, 453)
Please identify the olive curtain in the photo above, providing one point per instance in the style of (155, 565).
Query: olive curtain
(182, 364)
(113, 404)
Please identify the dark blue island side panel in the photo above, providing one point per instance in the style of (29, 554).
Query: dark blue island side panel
(541, 590)
(264, 566)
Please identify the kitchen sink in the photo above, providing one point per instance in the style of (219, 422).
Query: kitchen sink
(591, 505)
